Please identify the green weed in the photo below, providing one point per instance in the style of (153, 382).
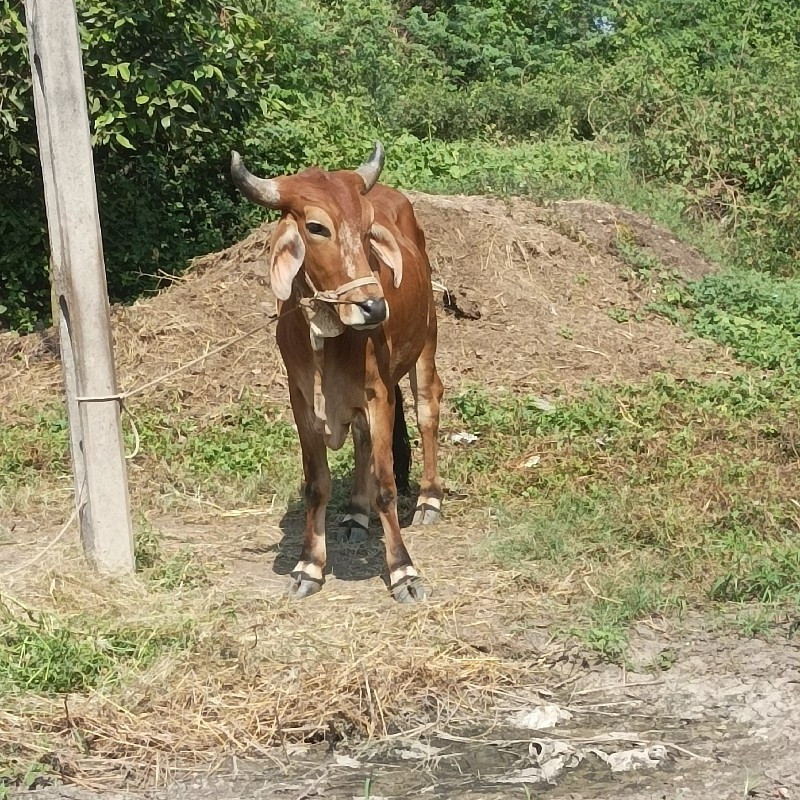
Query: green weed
(619, 314)
(758, 568)
(757, 620)
(756, 315)
(238, 441)
(147, 546)
(45, 654)
(181, 571)
(21, 773)
(247, 450)
(645, 498)
(40, 446)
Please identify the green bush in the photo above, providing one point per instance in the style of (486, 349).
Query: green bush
(707, 96)
(757, 316)
(171, 84)
(478, 95)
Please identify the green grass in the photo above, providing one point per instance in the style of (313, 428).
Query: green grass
(639, 500)
(22, 773)
(682, 499)
(45, 654)
(49, 658)
(179, 571)
(29, 452)
(241, 449)
(243, 452)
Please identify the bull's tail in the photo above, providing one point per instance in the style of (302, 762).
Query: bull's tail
(401, 446)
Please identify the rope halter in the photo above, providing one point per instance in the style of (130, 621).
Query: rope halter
(333, 296)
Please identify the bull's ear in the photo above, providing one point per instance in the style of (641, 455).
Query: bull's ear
(385, 247)
(287, 251)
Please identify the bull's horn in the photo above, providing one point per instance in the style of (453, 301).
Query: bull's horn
(370, 170)
(263, 191)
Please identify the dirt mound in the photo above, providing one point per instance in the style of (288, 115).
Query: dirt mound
(529, 306)
(602, 223)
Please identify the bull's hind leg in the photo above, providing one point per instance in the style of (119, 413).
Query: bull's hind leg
(428, 389)
(355, 524)
(308, 576)
(404, 581)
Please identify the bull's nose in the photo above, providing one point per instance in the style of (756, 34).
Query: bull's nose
(374, 310)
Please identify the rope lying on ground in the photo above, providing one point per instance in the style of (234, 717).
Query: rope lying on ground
(51, 544)
(188, 365)
(41, 554)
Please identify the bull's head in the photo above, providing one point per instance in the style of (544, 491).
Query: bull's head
(327, 229)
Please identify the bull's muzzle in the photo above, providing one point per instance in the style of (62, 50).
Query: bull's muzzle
(374, 310)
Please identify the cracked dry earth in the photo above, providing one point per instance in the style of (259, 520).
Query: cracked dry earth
(722, 722)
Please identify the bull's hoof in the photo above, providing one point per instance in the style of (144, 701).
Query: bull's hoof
(301, 585)
(350, 532)
(426, 514)
(409, 589)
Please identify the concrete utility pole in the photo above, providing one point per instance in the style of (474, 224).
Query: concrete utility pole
(76, 252)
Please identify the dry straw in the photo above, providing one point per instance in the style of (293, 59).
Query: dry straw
(260, 674)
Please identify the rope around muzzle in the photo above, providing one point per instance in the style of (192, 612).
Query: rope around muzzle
(333, 296)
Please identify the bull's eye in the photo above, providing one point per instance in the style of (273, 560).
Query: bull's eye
(317, 229)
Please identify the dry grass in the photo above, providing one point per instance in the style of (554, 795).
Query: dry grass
(262, 672)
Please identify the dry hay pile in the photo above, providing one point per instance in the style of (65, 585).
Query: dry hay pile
(527, 303)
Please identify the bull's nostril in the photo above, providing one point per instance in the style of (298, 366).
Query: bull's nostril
(374, 310)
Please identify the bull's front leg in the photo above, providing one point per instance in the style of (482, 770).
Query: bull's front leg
(404, 581)
(308, 576)
(355, 524)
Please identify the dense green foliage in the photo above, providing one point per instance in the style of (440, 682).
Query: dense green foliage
(490, 95)
(170, 86)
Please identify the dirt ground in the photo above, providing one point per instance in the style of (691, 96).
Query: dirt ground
(720, 715)
(724, 711)
(526, 308)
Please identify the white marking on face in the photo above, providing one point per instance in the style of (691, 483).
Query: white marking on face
(359, 519)
(310, 569)
(398, 574)
(350, 243)
(352, 315)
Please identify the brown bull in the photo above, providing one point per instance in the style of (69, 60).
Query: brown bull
(356, 314)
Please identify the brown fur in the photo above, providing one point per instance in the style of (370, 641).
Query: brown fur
(360, 368)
